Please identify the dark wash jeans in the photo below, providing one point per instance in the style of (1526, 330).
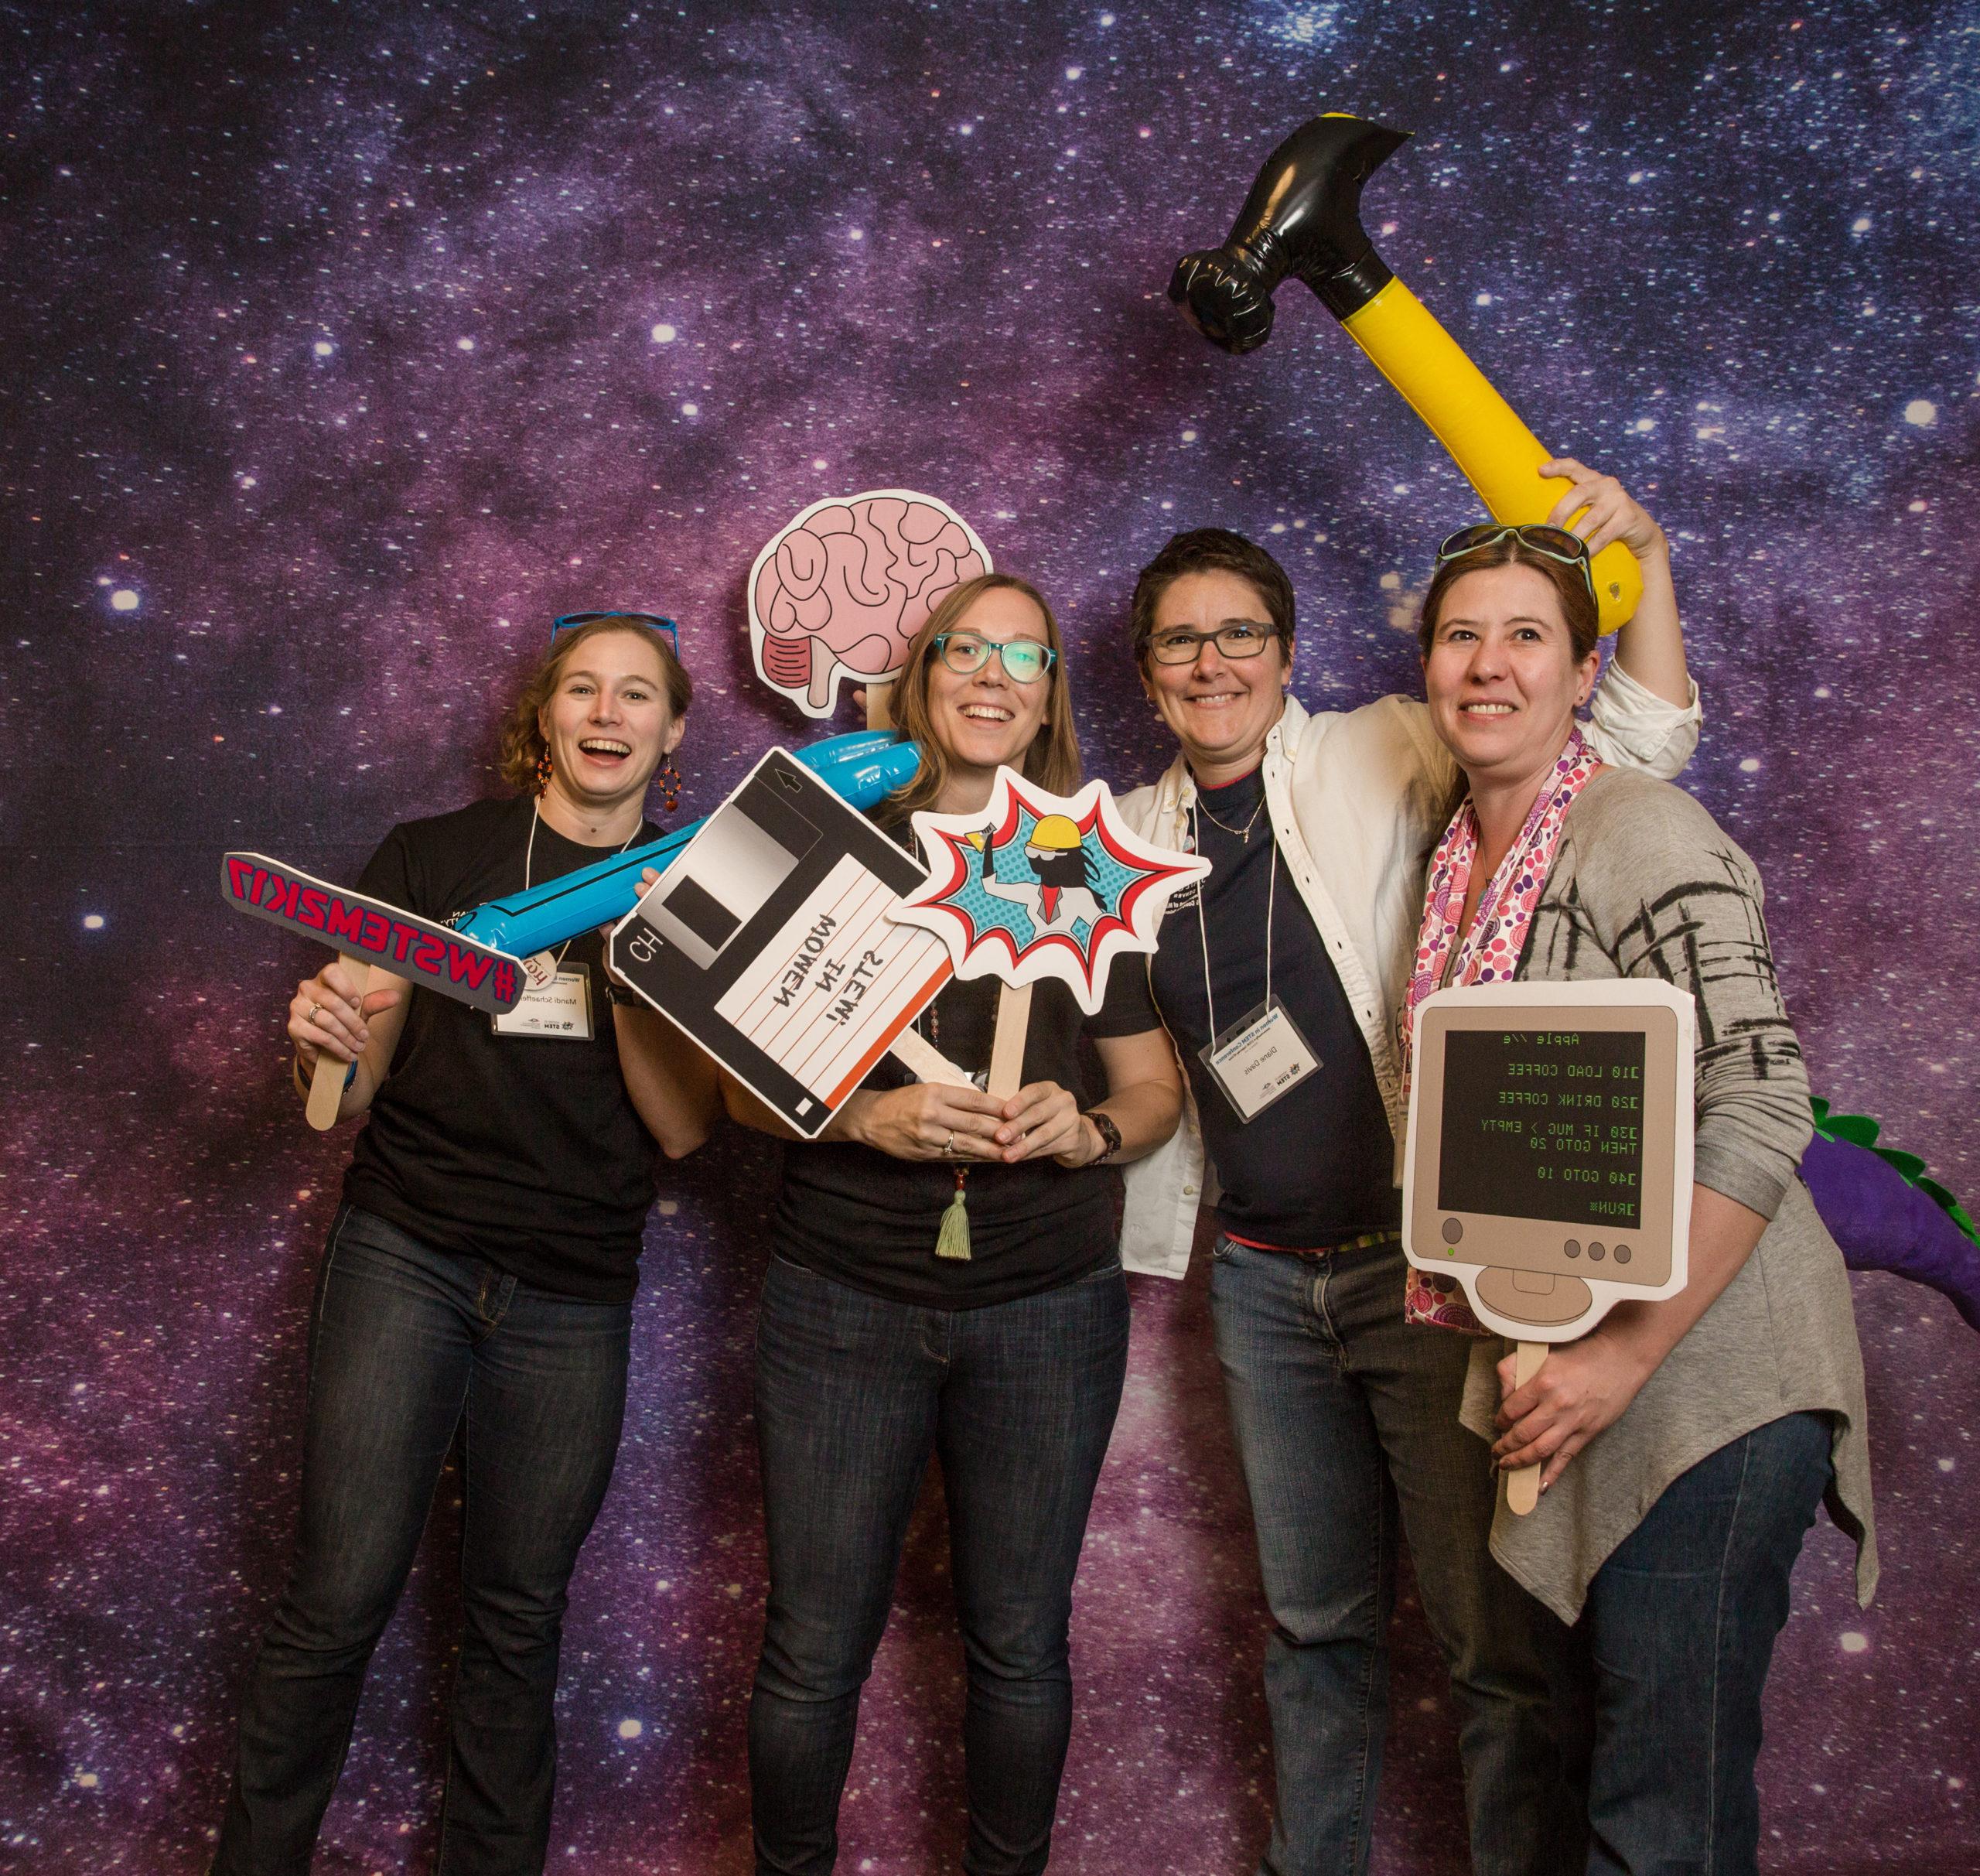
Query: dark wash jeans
(1346, 1420)
(1659, 1684)
(404, 1341)
(853, 1393)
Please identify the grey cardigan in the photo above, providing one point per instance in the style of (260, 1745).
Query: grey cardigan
(1645, 884)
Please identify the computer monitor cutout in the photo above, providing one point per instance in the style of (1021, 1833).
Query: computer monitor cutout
(1549, 1161)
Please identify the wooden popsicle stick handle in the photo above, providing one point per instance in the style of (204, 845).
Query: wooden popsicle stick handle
(1007, 1048)
(1523, 1487)
(326, 1084)
(880, 695)
(927, 1062)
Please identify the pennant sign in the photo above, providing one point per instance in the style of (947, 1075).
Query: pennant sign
(373, 932)
(1041, 886)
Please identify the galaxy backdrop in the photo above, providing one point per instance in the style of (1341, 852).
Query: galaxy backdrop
(345, 345)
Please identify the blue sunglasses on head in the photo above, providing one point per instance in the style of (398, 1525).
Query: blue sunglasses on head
(571, 619)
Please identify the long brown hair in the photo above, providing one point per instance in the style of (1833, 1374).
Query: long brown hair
(522, 746)
(1571, 589)
(1052, 760)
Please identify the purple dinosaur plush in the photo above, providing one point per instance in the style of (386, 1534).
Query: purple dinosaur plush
(1882, 1222)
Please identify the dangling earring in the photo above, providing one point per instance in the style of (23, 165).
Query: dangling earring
(543, 771)
(669, 778)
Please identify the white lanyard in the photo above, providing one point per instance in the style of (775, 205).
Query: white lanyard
(529, 866)
(557, 1003)
(1203, 929)
(1265, 1056)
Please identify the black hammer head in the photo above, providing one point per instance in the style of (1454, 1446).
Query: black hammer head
(1303, 218)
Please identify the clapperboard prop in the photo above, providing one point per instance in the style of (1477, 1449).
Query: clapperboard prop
(1549, 1168)
(368, 931)
(769, 942)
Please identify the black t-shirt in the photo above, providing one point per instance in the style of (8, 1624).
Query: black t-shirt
(1313, 1169)
(523, 1150)
(865, 1218)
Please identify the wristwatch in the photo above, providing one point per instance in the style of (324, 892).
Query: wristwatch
(1110, 1135)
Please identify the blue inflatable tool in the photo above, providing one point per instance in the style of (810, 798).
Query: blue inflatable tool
(862, 768)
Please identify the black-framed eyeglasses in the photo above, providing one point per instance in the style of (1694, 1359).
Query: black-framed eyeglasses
(1561, 544)
(571, 620)
(1241, 639)
(1024, 660)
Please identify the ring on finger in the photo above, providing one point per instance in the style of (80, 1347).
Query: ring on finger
(949, 1145)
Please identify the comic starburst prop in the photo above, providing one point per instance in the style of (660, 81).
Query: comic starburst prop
(1041, 886)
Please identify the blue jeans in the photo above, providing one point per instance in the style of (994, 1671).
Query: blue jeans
(404, 1341)
(1346, 1420)
(1659, 1683)
(853, 1393)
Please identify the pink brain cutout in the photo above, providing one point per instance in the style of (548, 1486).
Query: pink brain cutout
(840, 591)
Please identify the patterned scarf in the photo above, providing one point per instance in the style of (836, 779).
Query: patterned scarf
(1489, 953)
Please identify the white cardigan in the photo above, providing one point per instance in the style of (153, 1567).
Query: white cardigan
(1357, 799)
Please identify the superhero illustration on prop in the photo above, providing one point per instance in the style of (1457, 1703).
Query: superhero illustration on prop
(1061, 891)
(1040, 885)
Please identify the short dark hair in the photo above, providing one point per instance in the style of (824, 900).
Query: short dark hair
(1208, 550)
(1570, 588)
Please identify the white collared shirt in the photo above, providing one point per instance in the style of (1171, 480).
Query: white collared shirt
(1357, 799)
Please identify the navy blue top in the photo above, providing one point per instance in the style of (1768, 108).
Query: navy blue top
(1312, 1168)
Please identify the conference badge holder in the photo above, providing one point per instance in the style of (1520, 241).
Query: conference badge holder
(559, 1009)
(1258, 1058)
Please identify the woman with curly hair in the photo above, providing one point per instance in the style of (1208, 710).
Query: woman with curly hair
(479, 1278)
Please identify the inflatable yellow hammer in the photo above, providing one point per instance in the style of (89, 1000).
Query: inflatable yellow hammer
(1303, 217)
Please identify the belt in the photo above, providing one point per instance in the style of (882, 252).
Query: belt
(1368, 1240)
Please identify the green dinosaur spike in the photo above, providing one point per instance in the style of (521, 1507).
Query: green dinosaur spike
(1857, 1129)
(1860, 1130)
(1908, 1163)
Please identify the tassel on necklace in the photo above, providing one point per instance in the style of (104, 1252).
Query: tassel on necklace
(953, 1241)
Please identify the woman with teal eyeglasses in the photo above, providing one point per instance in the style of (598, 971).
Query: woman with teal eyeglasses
(872, 1353)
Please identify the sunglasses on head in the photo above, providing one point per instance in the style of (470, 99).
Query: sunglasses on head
(571, 620)
(1560, 544)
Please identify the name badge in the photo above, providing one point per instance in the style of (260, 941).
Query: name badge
(560, 1009)
(1258, 1058)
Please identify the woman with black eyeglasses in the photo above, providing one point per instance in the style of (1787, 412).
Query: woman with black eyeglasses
(479, 1277)
(873, 1352)
(1295, 956)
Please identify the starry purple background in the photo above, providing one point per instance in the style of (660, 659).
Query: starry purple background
(345, 346)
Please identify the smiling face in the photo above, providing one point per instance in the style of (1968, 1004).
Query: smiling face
(607, 724)
(1501, 675)
(1220, 709)
(987, 718)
